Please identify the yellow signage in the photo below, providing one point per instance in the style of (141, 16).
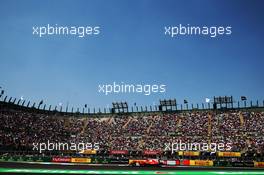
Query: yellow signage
(88, 151)
(201, 163)
(259, 164)
(229, 154)
(81, 160)
(189, 153)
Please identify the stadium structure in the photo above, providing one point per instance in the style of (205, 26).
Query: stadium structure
(132, 141)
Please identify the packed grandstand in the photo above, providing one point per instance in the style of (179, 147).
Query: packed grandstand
(135, 135)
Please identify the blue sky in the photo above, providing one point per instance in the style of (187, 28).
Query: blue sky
(131, 48)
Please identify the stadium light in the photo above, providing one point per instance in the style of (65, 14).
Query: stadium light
(18, 101)
(60, 105)
(28, 104)
(67, 106)
(2, 92)
(5, 98)
(14, 101)
(85, 106)
(40, 103)
(186, 103)
(244, 98)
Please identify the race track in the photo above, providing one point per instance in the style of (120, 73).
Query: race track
(63, 168)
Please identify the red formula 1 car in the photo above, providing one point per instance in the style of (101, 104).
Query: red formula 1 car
(145, 162)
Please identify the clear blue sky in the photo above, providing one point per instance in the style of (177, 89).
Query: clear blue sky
(131, 48)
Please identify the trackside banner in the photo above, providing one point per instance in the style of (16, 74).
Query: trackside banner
(151, 152)
(119, 152)
(170, 162)
(198, 162)
(259, 164)
(229, 154)
(61, 159)
(189, 153)
(88, 151)
(80, 160)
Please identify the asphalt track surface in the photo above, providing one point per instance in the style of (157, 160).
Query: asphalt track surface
(60, 168)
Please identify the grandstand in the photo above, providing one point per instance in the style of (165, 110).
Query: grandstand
(123, 141)
(133, 135)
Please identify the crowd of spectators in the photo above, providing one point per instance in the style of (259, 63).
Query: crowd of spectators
(139, 131)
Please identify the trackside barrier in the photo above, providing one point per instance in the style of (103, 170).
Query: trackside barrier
(242, 164)
(101, 161)
(222, 163)
(219, 163)
(118, 161)
(144, 162)
(25, 159)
